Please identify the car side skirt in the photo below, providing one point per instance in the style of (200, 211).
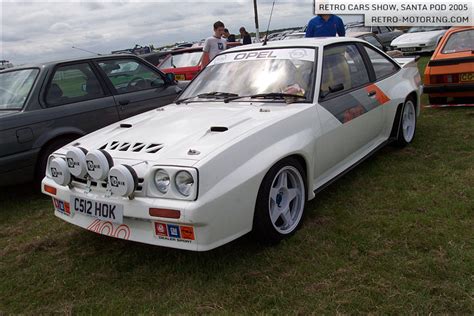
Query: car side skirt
(347, 170)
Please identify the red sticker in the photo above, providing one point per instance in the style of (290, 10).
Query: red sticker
(67, 208)
(161, 229)
(187, 232)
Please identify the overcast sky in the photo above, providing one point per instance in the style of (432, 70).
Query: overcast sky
(37, 31)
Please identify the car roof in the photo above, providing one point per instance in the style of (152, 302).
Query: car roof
(185, 50)
(300, 42)
(455, 29)
(50, 64)
(357, 34)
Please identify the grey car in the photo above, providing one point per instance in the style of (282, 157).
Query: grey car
(45, 106)
(385, 34)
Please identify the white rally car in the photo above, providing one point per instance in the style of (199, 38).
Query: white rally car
(253, 137)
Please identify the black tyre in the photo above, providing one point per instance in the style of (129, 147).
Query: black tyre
(407, 124)
(42, 162)
(280, 202)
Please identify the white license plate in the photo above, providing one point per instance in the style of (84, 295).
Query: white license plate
(99, 209)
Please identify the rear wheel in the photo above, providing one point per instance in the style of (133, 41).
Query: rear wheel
(280, 202)
(407, 125)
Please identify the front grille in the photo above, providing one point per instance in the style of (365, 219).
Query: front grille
(103, 184)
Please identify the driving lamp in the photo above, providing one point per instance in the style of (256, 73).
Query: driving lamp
(98, 163)
(76, 161)
(59, 171)
(123, 180)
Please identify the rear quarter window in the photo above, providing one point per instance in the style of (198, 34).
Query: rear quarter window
(459, 42)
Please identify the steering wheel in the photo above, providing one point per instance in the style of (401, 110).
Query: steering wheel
(136, 82)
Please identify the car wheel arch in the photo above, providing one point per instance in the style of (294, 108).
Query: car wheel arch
(52, 135)
(395, 124)
(47, 146)
(293, 160)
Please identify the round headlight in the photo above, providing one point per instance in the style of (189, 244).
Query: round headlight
(162, 180)
(184, 182)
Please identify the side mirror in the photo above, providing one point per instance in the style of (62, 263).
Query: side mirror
(171, 77)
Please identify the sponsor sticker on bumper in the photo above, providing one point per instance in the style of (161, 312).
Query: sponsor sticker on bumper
(62, 207)
(174, 232)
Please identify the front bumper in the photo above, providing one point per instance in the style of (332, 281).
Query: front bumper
(200, 227)
(415, 48)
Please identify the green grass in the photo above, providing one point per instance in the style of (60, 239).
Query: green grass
(394, 236)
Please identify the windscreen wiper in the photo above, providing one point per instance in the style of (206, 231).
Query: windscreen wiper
(210, 95)
(271, 95)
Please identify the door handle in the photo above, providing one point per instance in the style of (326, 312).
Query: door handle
(372, 93)
(124, 102)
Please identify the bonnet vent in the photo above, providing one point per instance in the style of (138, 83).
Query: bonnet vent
(132, 147)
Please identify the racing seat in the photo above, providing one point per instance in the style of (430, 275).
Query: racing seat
(335, 70)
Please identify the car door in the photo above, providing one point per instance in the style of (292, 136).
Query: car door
(75, 97)
(349, 116)
(372, 40)
(382, 69)
(137, 87)
(385, 35)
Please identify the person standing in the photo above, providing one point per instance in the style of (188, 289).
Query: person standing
(229, 37)
(214, 44)
(325, 25)
(246, 39)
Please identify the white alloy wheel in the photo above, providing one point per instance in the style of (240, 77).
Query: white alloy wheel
(280, 202)
(408, 121)
(286, 200)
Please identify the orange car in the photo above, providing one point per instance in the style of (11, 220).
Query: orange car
(450, 72)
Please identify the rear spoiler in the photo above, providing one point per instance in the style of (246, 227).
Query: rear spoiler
(407, 61)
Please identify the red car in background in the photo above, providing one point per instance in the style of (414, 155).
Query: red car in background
(186, 63)
(450, 72)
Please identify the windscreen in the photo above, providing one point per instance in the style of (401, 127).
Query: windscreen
(459, 42)
(182, 60)
(256, 72)
(15, 87)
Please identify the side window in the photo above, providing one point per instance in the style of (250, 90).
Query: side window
(382, 66)
(128, 75)
(384, 29)
(342, 65)
(73, 83)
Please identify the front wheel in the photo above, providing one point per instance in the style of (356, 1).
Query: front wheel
(407, 125)
(280, 202)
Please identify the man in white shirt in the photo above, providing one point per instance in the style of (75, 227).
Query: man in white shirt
(214, 44)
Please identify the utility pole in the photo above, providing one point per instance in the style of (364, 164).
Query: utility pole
(257, 34)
